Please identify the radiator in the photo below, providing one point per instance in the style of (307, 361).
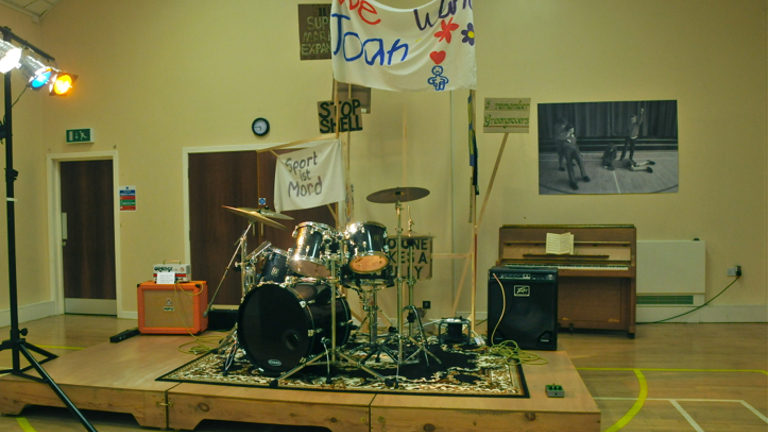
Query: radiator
(670, 272)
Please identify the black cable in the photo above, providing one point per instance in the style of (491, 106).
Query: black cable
(696, 308)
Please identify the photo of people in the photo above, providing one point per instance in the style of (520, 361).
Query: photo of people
(608, 147)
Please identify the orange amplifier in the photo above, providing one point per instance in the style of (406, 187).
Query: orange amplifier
(173, 309)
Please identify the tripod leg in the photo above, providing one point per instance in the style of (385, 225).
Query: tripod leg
(72, 408)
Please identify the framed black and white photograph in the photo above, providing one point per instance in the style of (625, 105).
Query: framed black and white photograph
(628, 147)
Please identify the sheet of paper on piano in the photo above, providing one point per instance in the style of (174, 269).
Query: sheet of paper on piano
(559, 244)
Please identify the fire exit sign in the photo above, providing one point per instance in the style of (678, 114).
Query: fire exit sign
(80, 135)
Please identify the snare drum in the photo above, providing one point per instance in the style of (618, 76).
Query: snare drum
(367, 248)
(280, 327)
(314, 242)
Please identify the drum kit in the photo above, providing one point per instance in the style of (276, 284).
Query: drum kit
(293, 311)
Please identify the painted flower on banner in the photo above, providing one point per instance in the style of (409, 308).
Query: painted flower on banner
(447, 28)
(469, 35)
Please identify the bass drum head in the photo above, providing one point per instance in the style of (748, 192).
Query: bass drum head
(273, 328)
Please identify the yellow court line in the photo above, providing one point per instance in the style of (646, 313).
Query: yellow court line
(59, 347)
(24, 423)
(638, 405)
(674, 370)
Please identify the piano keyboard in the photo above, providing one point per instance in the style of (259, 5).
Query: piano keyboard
(572, 266)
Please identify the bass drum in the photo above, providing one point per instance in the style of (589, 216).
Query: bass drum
(280, 327)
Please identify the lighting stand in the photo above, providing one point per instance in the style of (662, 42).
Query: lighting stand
(17, 344)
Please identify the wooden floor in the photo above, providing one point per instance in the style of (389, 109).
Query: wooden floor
(671, 377)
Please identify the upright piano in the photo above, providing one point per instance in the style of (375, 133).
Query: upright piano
(596, 283)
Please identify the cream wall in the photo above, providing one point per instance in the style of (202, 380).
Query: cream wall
(158, 77)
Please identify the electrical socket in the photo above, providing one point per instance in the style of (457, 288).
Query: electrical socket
(426, 304)
(734, 271)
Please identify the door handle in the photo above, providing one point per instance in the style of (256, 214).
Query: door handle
(63, 229)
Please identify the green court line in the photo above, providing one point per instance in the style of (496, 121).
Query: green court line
(674, 370)
(636, 407)
(24, 423)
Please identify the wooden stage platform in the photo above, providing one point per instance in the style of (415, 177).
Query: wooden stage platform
(120, 377)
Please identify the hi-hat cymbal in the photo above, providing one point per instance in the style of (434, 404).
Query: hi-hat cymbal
(254, 216)
(401, 194)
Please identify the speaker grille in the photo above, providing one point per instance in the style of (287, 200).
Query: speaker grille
(522, 306)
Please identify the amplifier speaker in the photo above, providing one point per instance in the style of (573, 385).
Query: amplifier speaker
(522, 306)
(172, 309)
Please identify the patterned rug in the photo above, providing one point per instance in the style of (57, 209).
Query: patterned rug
(459, 372)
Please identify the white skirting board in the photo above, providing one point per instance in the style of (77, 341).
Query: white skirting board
(29, 312)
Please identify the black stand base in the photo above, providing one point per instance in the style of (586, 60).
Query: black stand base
(21, 346)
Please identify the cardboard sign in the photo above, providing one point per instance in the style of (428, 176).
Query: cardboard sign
(350, 119)
(315, 31)
(506, 115)
(422, 256)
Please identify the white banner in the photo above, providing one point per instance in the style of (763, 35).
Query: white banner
(429, 48)
(311, 177)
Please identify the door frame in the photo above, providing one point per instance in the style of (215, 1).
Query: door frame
(55, 253)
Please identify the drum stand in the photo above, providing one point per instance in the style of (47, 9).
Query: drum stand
(333, 351)
(373, 337)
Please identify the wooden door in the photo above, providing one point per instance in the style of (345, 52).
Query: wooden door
(236, 179)
(88, 233)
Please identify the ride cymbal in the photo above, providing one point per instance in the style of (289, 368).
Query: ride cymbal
(401, 194)
(254, 216)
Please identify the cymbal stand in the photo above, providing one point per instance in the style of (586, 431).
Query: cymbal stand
(399, 283)
(334, 259)
(241, 246)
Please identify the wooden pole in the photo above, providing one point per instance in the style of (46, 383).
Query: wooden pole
(493, 179)
(405, 147)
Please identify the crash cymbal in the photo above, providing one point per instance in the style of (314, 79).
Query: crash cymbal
(254, 216)
(270, 214)
(401, 194)
(266, 212)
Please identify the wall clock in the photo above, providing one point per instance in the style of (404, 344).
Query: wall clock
(260, 126)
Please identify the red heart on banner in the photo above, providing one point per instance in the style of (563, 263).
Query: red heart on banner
(437, 56)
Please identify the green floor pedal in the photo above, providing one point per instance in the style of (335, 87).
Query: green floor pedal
(554, 391)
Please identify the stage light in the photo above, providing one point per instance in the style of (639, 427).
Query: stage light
(9, 56)
(36, 72)
(62, 84)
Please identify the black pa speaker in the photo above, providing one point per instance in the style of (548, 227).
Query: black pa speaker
(522, 306)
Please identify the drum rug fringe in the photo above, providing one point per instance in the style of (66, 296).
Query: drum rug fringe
(460, 373)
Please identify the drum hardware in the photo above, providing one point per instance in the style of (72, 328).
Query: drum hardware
(241, 244)
(372, 347)
(334, 351)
